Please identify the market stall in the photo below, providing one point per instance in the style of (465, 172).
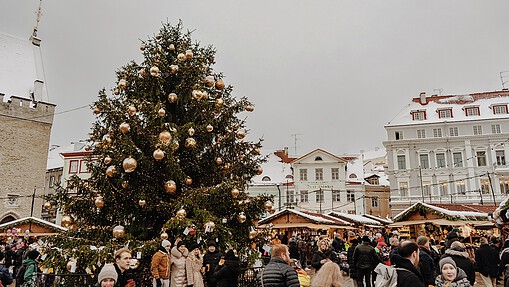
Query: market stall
(29, 227)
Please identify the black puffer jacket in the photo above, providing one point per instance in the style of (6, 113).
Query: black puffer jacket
(353, 270)
(427, 266)
(486, 258)
(462, 261)
(278, 274)
(227, 274)
(319, 255)
(210, 261)
(411, 277)
(365, 257)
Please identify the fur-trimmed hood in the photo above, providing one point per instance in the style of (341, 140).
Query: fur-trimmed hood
(457, 253)
(175, 252)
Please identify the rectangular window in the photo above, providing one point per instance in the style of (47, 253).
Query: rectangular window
(335, 196)
(419, 115)
(83, 166)
(334, 173)
(445, 113)
(398, 135)
(453, 132)
(443, 188)
(504, 185)
(495, 129)
(319, 196)
(304, 196)
(440, 160)
(481, 158)
(460, 187)
(502, 109)
(477, 130)
(59, 179)
(421, 134)
(291, 196)
(437, 133)
(401, 162)
(457, 158)
(403, 188)
(426, 188)
(51, 181)
(318, 173)
(374, 201)
(424, 160)
(303, 173)
(350, 196)
(73, 166)
(500, 154)
(485, 185)
(472, 111)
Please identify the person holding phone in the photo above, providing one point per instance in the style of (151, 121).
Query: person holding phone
(122, 266)
(227, 271)
(210, 261)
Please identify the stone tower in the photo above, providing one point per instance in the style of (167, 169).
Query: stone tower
(26, 118)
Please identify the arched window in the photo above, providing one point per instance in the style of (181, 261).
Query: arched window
(265, 178)
(352, 175)
(318, 158)
(7, 219)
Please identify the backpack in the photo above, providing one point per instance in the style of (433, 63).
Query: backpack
(387, 276)
(385, 253)
(20, 276)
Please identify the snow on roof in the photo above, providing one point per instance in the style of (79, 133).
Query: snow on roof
(55, 160)
(275, 170)
(17, 66)
(302, 214)
(457, 104)
(377, 218)
(33, 219)
(451, 213)
(377, 153)
(355, 218)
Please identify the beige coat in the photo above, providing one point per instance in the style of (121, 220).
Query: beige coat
(178, 268)
(193, 269)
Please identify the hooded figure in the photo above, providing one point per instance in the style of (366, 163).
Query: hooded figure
(160, 266)
(324, 253)
(227, 273)
(179, 254)
(451, 275)
(459, 254)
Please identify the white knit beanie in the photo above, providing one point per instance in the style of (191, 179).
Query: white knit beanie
(108, 271)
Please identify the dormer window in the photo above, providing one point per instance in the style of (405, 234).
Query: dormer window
(418, 115)
(444, 113)
(499, 109)
(472, 111)
(318, 158)
(266, 178)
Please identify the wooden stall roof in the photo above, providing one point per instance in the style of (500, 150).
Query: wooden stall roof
(38, 227)
(455, 212)
(356, 219)
(290, 218)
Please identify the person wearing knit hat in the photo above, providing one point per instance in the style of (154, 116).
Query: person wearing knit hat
(210, 261)
(160, 265)
(108, 276)
(451, 275)
(458, 253)
(194, 263)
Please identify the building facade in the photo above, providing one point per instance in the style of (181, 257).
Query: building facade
(449, 149)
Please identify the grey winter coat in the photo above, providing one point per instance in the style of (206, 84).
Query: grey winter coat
(178, 268)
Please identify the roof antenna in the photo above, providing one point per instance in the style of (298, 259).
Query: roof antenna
(504, 75)
(37, 19)
(439, 91)
(295, 138)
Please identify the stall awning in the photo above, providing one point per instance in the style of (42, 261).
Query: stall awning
(434, 221)
(307, 225)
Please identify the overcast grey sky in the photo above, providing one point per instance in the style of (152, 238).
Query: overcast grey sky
(332, 71)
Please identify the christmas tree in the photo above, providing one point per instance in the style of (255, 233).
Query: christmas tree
(169, 159)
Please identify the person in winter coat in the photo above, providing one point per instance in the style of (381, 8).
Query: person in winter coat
(294, 249)
(451, 275)
(450, 238)
(210, 261)
(365, 260)
(328, 276)
(408, 259)
(5, 276)
(160, 265)
(122, 266)
(352, 270)
(178, 257)
(278, 272)
(323, 254)
(487, 261)
(108, 276)
(426, 264)
(30, 265)
(459, 254)
(383, 251)
(227, 271)
(194, 263)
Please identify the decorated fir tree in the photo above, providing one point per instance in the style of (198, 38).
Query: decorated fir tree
(169, 158)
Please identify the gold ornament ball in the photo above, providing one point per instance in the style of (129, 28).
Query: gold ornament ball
(249, 108)
(241, 134)
(142, 202)
(124, 127)
(190, 143)
(189, 54)
(161, 112)
(165, 137)
(129, 164)
(259, 170)
(111, 170)
(66, 221)
(97, 110)
(134, 263)
(88, 148)
(253, 234)
(119, 231)
(188, 181)
(211, 225)
(220, 85)
(219, 102)
(171, 47)
(158, 154)
(172, 98)
(174, 69)
(210, 128)
(241, 217)
(154, 71)
(210, 81)
(219, 160)
(122, 84)
(142, 46)
(131, 110)
(125, 183)
(107, 139)
(99, 202)
(181, 57)
(267, 205)
(164, 236)
(190, 131)
(107, 160)
(47, 206)
(181, 214)
(142, 73)
(116, 92)
(170, 186)
(175, 145)
(235, 193)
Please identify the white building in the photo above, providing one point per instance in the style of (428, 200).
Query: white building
(449, 149)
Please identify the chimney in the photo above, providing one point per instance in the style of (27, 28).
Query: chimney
(423, 98)
(286, 150)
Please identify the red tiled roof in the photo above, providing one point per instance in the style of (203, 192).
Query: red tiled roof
(467, 207)
(475, 97)
(283, 156)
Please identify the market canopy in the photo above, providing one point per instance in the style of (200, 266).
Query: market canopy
(452, 213)
(36, 226)
(290, 218)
